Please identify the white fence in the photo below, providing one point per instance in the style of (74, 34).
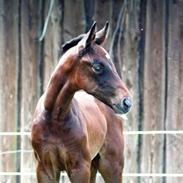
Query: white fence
(5, 177)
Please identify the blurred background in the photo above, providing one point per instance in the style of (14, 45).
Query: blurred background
(146, 44)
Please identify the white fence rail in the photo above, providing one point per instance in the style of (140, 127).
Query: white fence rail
(126, 133)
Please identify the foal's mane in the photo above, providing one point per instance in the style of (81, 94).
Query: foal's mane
(73, 42)
(99, 37)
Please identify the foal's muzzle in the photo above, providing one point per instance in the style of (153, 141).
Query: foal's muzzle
(123, 106)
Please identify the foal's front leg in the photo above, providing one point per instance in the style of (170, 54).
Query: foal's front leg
(111, 169)
(44, 177)
(80, 173)
(111, 155)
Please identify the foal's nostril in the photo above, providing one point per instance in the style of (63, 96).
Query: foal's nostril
(123, 106)
(126, 103)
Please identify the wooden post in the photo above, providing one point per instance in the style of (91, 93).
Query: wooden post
(154, 90)
(73, 22)
(174, 114)
(30, 76)
(101, 15)
(9, 56)
(129, 72)
(117, 15)
(52, 40)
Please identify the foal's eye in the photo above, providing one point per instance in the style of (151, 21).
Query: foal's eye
(98, 68)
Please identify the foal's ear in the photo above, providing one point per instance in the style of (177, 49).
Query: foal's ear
(88, 38)
(102, 34)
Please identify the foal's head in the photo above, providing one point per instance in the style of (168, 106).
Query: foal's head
(90, 68)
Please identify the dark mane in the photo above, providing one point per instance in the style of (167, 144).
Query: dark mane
(99, 38)
(72, 42)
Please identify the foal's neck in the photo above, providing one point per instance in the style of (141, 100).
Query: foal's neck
(59, 93)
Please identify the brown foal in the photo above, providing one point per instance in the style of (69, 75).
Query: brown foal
(75, 127)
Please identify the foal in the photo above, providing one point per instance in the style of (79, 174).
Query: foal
(75, 127)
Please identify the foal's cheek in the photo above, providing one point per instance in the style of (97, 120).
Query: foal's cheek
(82, 83)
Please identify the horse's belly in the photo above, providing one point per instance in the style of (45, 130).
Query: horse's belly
(95, 122)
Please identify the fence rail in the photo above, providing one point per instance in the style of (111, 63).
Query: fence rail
(158, 132)
(126, 133)
(124, 175)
